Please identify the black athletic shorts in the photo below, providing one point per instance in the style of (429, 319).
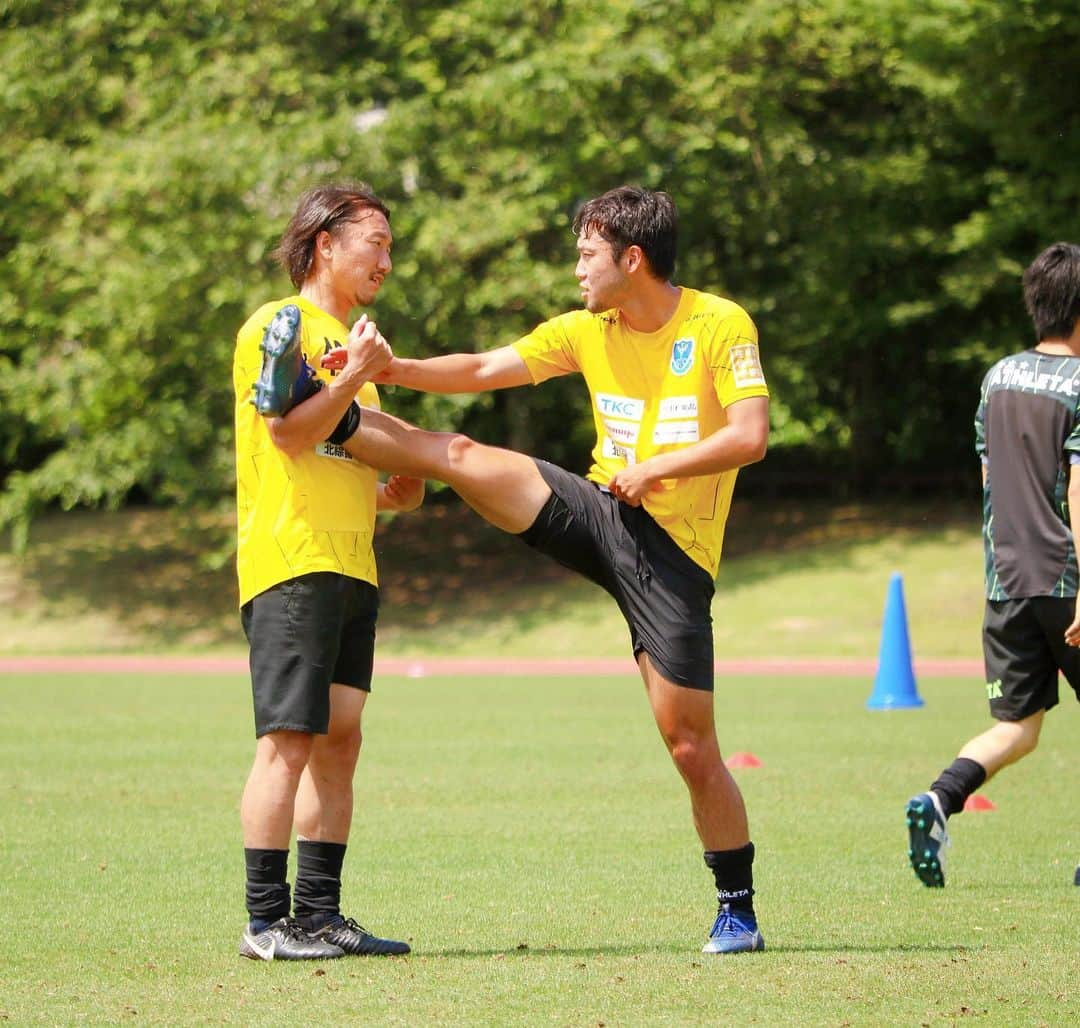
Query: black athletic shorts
(664, 596)
(305, 634)
(1024, 649)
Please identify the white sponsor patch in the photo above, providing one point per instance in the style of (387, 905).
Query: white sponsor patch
(616, 452)
(676, 432)
(622, 431)
(746, 366)
(677, 408)
(620, 407)
(332, 450)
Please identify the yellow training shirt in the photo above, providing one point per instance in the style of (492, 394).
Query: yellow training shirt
(653, 392)
(312, 512)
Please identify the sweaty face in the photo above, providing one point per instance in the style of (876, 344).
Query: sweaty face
(603, 282)
(360, 258)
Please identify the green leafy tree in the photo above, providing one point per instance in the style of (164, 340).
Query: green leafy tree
(867, 178)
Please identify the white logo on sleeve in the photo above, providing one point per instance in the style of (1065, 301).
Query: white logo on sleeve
(746, 366)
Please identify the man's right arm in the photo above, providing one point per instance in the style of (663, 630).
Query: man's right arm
(312, 421)
(1072, 633)
(455, 372)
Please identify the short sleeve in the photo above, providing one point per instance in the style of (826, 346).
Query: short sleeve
(550, 349)
(1072, 443)
(736, 359)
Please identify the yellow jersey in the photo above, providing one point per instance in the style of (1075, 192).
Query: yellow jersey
(653, 392)
(311, 512)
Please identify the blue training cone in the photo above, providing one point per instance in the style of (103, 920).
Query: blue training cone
(894, 685)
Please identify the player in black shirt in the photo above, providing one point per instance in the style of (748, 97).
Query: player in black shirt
(1027, 431)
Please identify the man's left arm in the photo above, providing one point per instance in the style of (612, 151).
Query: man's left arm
(743, 440)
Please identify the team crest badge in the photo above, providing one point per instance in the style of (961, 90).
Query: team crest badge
(682, 356)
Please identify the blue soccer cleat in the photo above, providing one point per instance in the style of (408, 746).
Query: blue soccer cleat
(928, 839)
(733, 932)
(285, 378)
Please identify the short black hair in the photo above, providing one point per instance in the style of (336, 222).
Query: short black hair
(632, 216)
(1052, 291)
(323, 209)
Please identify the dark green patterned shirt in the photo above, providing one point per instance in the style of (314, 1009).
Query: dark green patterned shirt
(1027, 433)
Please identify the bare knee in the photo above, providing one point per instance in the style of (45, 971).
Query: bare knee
(459, 451)
(334, 756)
(1005, 743)
(343, 744)
(696, 758)
(1021, 737)
(283, 754)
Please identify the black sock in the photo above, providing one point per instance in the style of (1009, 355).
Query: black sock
(957, 782)
(267, 891)
(734, 874)
(317, 894)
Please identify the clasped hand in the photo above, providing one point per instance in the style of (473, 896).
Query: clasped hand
(364, 355)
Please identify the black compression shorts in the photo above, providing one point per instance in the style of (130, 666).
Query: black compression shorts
(664, 595)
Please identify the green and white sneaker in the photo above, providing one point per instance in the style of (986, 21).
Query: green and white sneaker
(928, 839)
(285, 378)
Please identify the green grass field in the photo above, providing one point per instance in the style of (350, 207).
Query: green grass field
(797, 579)
(532, 841)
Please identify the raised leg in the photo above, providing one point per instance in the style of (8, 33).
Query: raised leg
(1004, 743)
(504, 487)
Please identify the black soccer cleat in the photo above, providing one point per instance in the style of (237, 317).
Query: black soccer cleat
(285, 378)
(356, 940)
(286, 940)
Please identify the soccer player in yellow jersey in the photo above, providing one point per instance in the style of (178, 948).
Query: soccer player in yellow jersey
(308, 586)
(680, 404)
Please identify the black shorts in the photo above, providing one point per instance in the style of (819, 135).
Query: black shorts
(305, 634)
(1024, 649)
(664, 596)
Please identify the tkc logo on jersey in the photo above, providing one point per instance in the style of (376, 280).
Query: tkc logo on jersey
(620, 406)
(682, 356)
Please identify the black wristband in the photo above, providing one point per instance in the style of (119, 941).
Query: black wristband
(349, 423)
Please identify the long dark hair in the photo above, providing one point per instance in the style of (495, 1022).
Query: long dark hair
(323, 209)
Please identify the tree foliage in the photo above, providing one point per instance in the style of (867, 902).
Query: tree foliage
(867, 178)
